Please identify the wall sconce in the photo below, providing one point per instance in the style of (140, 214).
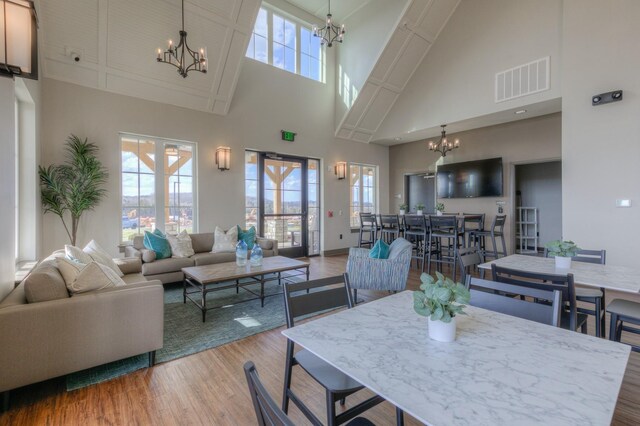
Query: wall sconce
(223, 158)
(341, 169)
(19, 39)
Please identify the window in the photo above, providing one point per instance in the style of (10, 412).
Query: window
(157, 194)
(251, 189)
(287, 44)
(363, 182)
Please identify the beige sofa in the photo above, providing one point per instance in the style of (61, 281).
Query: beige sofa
(59, 334)
(170, 270)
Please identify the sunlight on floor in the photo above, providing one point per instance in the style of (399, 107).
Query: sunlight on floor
(248, 322)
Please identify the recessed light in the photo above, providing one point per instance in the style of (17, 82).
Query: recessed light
(397, 139)
(521, 111)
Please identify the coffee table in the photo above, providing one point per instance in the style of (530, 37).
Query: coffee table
(208, 278)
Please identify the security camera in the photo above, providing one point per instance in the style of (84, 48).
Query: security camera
(75, 56)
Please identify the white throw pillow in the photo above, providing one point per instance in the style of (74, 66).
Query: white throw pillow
(225, 242)
(101, 256)
(81, 278)
(76, 253)
(181, 245)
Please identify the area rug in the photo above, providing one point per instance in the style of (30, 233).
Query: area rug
(186, 334)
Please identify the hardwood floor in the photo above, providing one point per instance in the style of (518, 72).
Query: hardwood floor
(210, 388)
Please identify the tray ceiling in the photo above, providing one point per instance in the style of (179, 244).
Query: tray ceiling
(117, 42)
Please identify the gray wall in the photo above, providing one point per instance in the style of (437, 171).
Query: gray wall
(541, 187)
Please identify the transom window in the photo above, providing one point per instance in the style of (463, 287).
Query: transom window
(157, 194)
(363, 186)
(286, 43)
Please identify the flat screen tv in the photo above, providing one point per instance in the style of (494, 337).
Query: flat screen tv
(481, 178)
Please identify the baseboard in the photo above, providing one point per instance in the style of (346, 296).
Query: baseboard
(336, 252)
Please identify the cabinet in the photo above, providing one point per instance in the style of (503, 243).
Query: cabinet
(527, 230)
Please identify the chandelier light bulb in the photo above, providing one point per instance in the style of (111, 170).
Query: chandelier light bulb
(330, 33)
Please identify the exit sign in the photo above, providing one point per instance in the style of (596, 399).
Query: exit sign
(288, 136)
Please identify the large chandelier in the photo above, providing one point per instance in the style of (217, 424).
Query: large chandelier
(182, 57)
(330, 32)
(444, 145)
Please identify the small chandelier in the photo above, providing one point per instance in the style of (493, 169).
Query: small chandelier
(443, 146)
(180, 54)
(329, 33)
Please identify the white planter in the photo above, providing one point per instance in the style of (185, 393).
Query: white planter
(438, 213)
(402, 212)
(563, 262)
(442, 331)
(419, 212)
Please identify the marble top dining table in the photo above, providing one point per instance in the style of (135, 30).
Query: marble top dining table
(619, 278)
(500, 370)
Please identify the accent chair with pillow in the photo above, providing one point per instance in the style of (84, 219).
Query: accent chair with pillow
(372, 273)
(206, 252)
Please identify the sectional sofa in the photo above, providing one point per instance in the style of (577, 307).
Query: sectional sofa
(170, 270)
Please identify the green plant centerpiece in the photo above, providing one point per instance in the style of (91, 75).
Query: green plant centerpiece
(441, 300)
(404, 207)
(419, 207)
(563, 251)
(440, 207)
(75, 187)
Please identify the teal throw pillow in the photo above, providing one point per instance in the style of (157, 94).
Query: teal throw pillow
(380, 250)
(248, 236)
(157, 242)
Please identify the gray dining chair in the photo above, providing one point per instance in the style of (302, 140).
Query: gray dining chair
(469, 258)
(312, 297)
(571, 319)
(501, 297)
(592, 296)
(267, 411)
(624, 311)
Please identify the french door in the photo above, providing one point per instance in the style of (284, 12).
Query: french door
(288, 203)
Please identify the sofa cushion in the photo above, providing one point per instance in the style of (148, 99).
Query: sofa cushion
(248, 236)
(163, 266)
(129, 265)
(225, 242)
(157, 242)
(15, 298)
(134, 278)
(181, 245)
(211, 258)
(81, 278)
(202, 243)
(45, 283)
(101, 256)
(380, 250)
(76, 253)
(265, 244)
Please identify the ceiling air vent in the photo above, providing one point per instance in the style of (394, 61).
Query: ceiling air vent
(523, 80)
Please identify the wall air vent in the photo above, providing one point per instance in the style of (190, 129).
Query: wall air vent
(523, 80)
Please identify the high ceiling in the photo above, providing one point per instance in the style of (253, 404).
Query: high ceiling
(340, 9)
(117, 41)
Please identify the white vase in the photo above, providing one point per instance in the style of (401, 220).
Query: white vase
(563, 262)
(402, 212)
(419, 212)
(442, 331)
(438, 213)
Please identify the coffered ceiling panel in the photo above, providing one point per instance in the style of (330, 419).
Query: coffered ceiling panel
(117, 42)
(410, 42)
(340, 9)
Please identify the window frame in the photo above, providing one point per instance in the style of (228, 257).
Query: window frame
(299, 23)
(159, 202)
(376, 188)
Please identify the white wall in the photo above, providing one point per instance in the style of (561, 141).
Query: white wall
(541, 187)
(7, 188)
(600, 145)
(523, 141)
(266, 100)
(456, 79)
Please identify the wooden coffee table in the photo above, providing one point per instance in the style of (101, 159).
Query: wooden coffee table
(208, 278)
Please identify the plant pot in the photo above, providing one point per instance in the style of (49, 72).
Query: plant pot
(563, 262)
(442, 331)
(402, 212)
(438, 213)
(419, 212)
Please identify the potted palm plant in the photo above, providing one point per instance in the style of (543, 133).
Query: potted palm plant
(72, 188)
(439, 209)
(440, 300)
(563, 251)
(403, 208)
(419, 208)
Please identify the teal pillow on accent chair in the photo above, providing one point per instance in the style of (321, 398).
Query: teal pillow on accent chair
(157, 242)
(248, 236)
(380, 250)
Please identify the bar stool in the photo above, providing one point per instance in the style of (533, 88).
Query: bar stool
(389, 227)
(497, 230)
(472, 222)
(416, 232)
(369, 225)
(623, 311)
(443, 229)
